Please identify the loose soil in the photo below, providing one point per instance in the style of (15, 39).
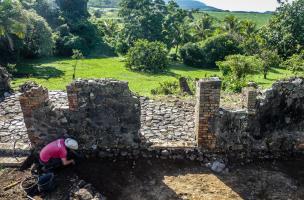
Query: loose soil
(156, 179)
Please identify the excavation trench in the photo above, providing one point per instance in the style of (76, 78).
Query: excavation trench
(170, 179)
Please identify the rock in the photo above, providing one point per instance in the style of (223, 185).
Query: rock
(218, 166)
(165, 153)
(83, 194)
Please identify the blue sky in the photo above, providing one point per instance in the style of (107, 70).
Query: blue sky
(243, 5)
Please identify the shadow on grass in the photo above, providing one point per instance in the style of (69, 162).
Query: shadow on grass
(43, 72)
(185, 68)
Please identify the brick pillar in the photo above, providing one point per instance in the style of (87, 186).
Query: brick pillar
(250, 98)
(32, 99)
(207, 105)
(72, 91)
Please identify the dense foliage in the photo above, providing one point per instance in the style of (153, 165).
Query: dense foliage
(213, 49)
(38, 41)
(147, 56)
(295, 63)
(192, 54)
(150, 31)
(218, 47)
(235, 69)
(285, 31)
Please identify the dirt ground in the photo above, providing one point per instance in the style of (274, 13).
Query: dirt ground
(153, 179)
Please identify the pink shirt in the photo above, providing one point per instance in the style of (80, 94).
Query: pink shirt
(55, 149)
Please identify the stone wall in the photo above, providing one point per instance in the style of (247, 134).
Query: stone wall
(104, 113)
(276, 125)
(99, 113)
(4, 82)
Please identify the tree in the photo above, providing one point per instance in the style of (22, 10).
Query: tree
(143, 19)
(176, 26)
(270, 59)
(147, 56)
(12, 21)
(77, 56)
(295, 63)
(284, 32)
(204, 27)
(247, 28)
(231, 24)
(217, 47)
(38, 40)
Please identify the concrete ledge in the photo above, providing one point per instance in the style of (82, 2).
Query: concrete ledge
(8, 149)
(11, 161)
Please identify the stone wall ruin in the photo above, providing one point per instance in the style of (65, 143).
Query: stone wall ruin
(99, 113)
(105, 117)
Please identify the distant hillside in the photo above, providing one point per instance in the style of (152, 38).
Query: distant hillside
(185, 4)
(195, 4)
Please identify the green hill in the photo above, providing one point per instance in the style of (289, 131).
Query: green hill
(185, 4)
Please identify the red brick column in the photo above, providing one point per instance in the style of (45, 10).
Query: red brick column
(30, 100)
(72, 91)
(207, 105)
(250, 98)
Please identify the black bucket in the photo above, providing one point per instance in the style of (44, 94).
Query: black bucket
(46, 182)
(30, 185)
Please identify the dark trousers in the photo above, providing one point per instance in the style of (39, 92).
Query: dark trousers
(52, 164)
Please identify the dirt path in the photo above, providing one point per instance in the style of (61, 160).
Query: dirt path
(175, 180)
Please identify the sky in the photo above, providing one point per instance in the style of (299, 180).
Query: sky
(244, 5)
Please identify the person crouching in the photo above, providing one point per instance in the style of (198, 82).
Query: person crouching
(55, 154)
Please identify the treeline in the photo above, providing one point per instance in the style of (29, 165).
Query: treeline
(150, 33)
(237, 47)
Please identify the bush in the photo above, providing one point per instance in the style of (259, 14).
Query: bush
(166, 88)
(192, 55)
(147, 56)
(236, 68)
(295, 63)
(38, 39)
(209, 51)
(218, 47)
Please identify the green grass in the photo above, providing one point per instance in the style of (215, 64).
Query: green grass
(259, 18)
(56, 73)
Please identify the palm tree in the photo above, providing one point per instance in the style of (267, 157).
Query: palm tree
(248, 27)
(231, 24)
(12, 20)
(204, 26)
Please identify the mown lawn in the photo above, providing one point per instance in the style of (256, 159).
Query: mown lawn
(55, 73)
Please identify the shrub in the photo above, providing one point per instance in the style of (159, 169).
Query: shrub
(295, 63)
(147, 56)
(192, 55)
(218, 47)
(235, 69)
(38, 39)
(166, 88)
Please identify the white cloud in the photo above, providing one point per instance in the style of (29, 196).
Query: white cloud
(244, 5)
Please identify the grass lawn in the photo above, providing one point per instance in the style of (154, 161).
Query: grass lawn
(55, 73)
(259, 18)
